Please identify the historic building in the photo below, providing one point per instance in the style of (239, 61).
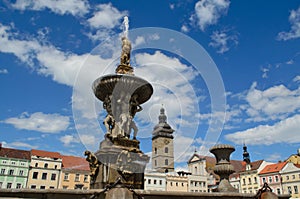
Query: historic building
(45, 170)
(175, 182)
(198, 180)
(14, 167)
(271, 175)
(294, 158)
(290, 179)
(162, 145)
(75, 173)
(155, 181)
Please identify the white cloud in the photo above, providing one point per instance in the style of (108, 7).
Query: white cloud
(46, 123)
(297, 78)
(3, 71)
(272, 103)
(294, 33)
(222, 41)
(67, 140)
(285, 131)
(73, 7)
(19, 145)
(106, 16)
(184, 28)
(207, 12)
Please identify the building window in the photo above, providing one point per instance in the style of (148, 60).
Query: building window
(44, 176)
(293, 177)
(155, 150)
(290, 190)
(255, 180)
(296, 189)
(21, 173)
(77, 177)
(42, 187)
(270, 179)
(66, 177)
(244, 182)
(36, 164)
(33, 186)
(149, 181)
(278, 191)
(176, 184)
(53, 176)
(51, 187)
(65, 187)
(18, 186)
(276, 179)
(2, 171)
(55, 167)
(264, 180)
(86, 177)
(154, 181)
(11, 172)
(249, 179)
(45, 165)
(166, 150)
(4, 162)
(1, 185)
(22, 163)
(287, 177)
(160, 182)
(155, 163)
(35, 175)
(196, 170)
(182, 184)
(171, 183)
(8, 186)
(166, 162)
(13, 163)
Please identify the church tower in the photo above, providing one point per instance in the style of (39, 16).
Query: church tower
(162, 145)
(246, 156)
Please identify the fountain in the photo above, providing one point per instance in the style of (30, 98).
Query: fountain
(119, 158)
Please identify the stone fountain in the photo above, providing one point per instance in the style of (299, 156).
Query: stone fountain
(223, 168)
(119, 158)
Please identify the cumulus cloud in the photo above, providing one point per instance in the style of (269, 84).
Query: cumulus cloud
(223, 40)
(294, 33)
(45, 123)
(67, 140)
(61, 7)
(207, 12)
(273, 103)
(284, 131)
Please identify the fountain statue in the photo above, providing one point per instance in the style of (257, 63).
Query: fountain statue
(119, 156)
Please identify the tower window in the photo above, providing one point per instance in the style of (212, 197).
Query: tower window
(155, 150)
(155, 163)
(166, 162)
(166, 150)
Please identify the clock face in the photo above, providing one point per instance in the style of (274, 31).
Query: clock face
(167, 141)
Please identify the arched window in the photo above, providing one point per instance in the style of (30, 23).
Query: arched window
(36, 164)
(166, 162)
(166, 150)
(46, 165)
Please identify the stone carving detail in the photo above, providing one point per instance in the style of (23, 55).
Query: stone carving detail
(94, 164)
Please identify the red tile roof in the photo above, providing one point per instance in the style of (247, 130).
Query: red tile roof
(75, 163)
(45, 153)
(14, 153)
(254, 165)
(273, 168)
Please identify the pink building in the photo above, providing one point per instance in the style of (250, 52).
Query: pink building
(271, 175)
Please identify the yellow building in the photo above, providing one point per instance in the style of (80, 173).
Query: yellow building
(295, 158)
(176, 183)
(290, 179)
(44, 170)
(75, 173)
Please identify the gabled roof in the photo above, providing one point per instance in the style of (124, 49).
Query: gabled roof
(254, 165)
(14, 153)
(48, 154)
(273, 168)
(75, 163)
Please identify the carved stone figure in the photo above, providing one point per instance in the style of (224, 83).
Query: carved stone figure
(134, 105)
(109, 123)
(126, 48)
(94, 164)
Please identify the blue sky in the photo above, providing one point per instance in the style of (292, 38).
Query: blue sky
(225, 71)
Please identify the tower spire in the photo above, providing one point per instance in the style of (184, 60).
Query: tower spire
(246, 155)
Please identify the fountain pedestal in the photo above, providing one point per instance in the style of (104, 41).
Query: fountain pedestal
(223, 168)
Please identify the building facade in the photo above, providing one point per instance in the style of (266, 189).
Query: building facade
(14, 168)
(162, 145)
(155, 181)
(290, 176)
(174, 182)
(271, 175)
(45, 170)
(198, 180)
(75, 173)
